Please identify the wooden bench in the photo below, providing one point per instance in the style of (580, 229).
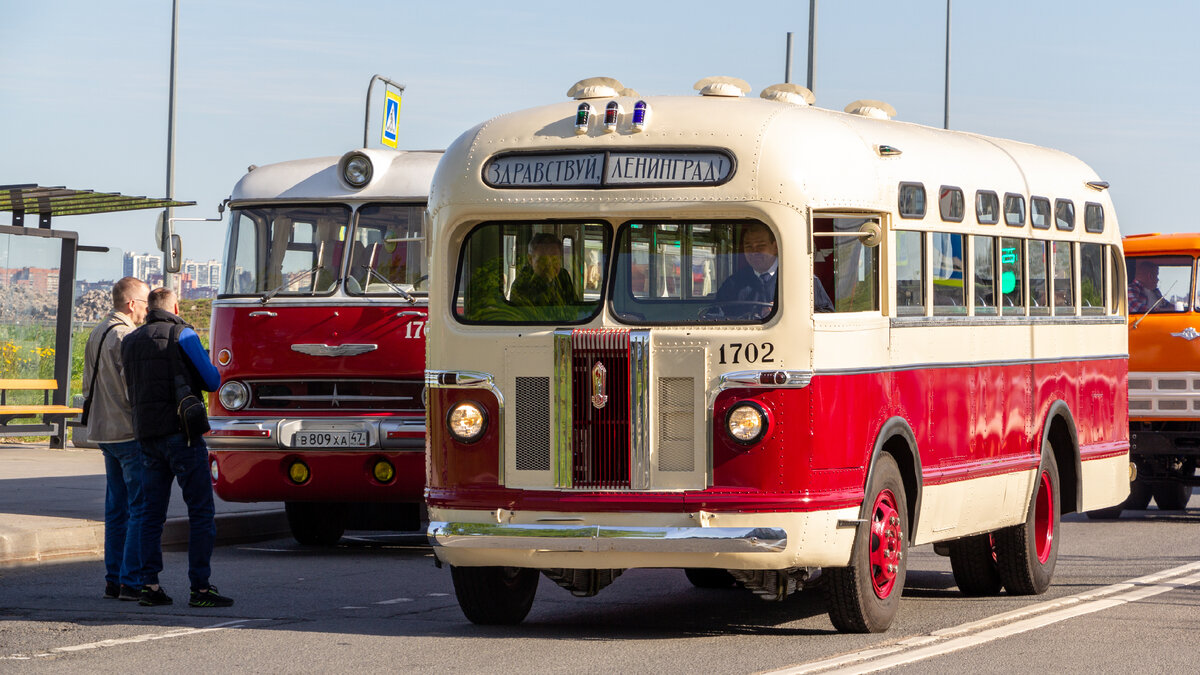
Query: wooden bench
(53, 415)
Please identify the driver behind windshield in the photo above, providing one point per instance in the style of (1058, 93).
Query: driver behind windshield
(754, 282)
(543, 282)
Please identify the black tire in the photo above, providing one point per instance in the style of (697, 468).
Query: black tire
(1026, 554)
(315, 523)
(1172, 496)
(495, 596)
(1139, 496)
(973, 561)
(864, 597)
(703, 577)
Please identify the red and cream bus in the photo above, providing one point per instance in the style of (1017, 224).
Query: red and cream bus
(781, 346)
(319, 334)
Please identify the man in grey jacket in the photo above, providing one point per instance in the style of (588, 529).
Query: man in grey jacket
(110, 425)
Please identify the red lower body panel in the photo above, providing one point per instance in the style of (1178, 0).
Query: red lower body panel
(334, 476)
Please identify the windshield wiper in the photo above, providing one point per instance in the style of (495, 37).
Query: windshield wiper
(400, 291)
(1161, 297)
(304, 277)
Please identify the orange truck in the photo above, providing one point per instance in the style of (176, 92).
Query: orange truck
(1164, 369)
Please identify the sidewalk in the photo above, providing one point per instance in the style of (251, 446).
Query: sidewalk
(52, 508)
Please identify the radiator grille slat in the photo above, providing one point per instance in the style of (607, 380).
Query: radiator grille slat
(533, 423)
(600, 435)
(676, 415)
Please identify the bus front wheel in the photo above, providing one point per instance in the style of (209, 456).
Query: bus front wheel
(315, 523)
(1026, 553)
(973, 561)
(864, 597)
(494, 596)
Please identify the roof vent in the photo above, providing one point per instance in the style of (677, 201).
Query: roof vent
(868, 108)
(788, 93)
(631, 93)
(722, 86)
(594, 87)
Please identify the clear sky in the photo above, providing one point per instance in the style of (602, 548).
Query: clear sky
(84, 84)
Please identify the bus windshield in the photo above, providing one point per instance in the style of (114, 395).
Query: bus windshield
(695, 272)
(388, 255)
(285, 250)
(531, 273)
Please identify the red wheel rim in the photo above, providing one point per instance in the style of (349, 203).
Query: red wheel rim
(1043, 519)
(887, 543)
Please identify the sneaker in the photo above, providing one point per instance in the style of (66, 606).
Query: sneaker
(129, 593)
(153, 597)
(209, 597)
(111, 590)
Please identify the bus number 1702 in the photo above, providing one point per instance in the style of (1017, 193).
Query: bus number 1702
(736, 352)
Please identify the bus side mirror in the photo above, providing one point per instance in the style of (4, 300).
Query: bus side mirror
(173, 256)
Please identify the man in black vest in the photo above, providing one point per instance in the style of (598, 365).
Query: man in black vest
(164, 361)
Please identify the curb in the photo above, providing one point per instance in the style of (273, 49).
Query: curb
(70, 540)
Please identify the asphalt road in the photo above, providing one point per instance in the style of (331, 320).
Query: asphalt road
(1125, 598)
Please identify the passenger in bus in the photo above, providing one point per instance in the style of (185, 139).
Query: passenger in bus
(1143, 290)
(543, 282)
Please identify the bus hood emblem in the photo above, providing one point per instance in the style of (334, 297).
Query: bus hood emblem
(333, 350)
(1188, 333)
(599, 382)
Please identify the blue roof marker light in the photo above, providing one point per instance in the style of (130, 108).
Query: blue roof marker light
(641, 114)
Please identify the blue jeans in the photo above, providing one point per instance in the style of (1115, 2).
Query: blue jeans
(166, 458)
(124, 503)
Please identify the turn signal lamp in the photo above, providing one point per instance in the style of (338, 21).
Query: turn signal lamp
(746, 422)
(467, 421)
(298, 472)
(383, 471)
(224, 357)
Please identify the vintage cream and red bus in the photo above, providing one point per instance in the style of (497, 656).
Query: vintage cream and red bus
(1164, 380)
(319, 334)
(661, 406)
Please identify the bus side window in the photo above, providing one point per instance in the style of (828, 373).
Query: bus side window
(949, 295)
(1012, 277)
(910, 273)
(846, 270)
(983, 251)
(1039, 301)
(1091, 278)
(1064, 278)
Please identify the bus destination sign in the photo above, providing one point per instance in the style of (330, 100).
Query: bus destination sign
(608, 169)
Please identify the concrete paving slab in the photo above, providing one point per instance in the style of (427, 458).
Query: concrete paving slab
(52, 508)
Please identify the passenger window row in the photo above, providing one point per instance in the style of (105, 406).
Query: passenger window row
(951, 207)
(1006, 276)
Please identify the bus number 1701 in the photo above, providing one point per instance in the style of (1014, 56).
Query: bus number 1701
(736, 352)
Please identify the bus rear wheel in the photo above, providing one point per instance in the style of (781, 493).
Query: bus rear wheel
(1026, 554)
(315, 523)
(973, 560)
(494, 596)
(864, 597)
(1172, 496)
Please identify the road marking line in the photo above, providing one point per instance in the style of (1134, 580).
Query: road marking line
(1021, 620)
(147, 637)
(394, 601)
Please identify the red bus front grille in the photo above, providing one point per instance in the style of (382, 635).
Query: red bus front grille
(600, 408)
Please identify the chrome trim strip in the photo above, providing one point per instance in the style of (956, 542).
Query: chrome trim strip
(472, 379)
(752, 379)
(967, 364)
(282, 429)
(945, 321)
(639, 409)
(561, 411)
(608, 538)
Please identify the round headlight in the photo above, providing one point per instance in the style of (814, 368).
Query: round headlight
(212, 469)
(234, 395)
(746, 422)
(467, 421)
(356, 169)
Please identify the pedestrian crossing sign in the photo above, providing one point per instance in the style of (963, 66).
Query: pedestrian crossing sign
(391, 117)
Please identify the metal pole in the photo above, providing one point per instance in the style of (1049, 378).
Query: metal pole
(787, 68)
(946, 120)
(812, 45)
(168, 278)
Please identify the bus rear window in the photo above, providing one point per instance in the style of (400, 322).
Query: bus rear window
(531, 273)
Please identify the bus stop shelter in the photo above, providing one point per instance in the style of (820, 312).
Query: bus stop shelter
(46, 203)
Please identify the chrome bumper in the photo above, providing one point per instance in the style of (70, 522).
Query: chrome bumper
(608, 538)
(259, 433)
